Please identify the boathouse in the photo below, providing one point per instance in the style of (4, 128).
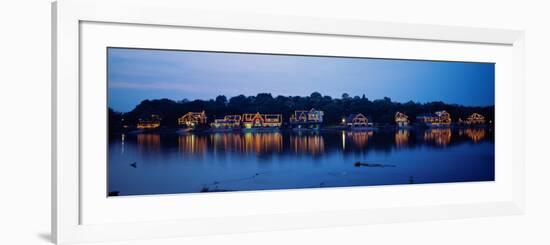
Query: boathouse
(475, 119)
(401, 119)
(257, 120)
(193, 119)
(356, 121)
(437, 119)
(306, 119)
(149, 123)
(229, 121)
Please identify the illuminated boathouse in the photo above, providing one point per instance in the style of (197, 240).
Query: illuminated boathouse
(401, 119)
(193, 120)
(257, 120)
(149, 123)
(437, 119)
(228, 122)
(307, 119)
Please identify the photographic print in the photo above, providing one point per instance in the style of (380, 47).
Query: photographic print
(205, 121)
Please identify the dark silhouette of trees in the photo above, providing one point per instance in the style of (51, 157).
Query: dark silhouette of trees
(221, 100)
(380, 111)
(345, 96)
(115, 120)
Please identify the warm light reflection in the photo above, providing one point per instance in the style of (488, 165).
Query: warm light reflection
(343, 139)
(359, 138)
(148, 142)
(475, 134)
(401, 138)
(192, 144)
(249, 142)
(312, 144)
(440, 136)
(263, 142)
(122, 140)
(227, 142)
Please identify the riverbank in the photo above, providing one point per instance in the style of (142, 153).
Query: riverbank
(328, 128)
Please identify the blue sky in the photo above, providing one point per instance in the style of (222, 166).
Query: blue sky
(138, 74)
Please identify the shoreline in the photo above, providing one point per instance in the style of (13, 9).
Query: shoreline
(182, 131)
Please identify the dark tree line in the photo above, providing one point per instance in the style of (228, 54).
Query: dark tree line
(380, 111)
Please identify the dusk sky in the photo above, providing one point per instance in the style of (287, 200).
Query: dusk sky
(138, 74)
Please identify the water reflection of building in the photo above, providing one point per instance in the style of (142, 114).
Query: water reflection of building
(401, 119)
(475, 134)
(437, 119)
(312, 143)
(440, 136)
(148, 142)
(359, 139)
(258, 143)
(401, 138)
(122, 141)
(192, 144)
(227, 142)
(263, 142)
(343, 140)
(149, 123)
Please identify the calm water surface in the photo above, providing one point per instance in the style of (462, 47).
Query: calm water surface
(149, 163)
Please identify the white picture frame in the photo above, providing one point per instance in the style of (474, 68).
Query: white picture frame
(68, 16)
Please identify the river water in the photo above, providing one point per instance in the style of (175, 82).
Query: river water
(150, 163)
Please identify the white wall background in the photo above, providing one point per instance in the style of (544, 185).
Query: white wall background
(25, 144)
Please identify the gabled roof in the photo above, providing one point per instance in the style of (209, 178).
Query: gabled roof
(299, 113)
(194, 114)
(476, 115)
(353, 116)
(314, 110)
(253, 116)
(442, 112)
(400, 113)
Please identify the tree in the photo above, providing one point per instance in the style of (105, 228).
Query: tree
(316, 95)
(221, 100)
(115, 120)
(238, 101)
(264, 97)
(379, 110)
